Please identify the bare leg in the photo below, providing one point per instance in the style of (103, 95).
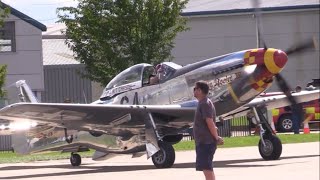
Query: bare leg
(209, 175)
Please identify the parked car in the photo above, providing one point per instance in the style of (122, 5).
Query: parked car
(282, 117)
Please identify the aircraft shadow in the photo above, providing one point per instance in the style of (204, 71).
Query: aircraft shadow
(101, 169)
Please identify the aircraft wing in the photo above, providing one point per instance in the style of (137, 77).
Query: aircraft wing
(277, 101)
(97, 117)
(107, 118)
(273, 101)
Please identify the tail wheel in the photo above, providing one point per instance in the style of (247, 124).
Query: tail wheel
(272, 149)
(165, 157)
(75, 159)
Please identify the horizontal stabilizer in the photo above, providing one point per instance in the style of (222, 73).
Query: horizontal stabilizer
(26, 94)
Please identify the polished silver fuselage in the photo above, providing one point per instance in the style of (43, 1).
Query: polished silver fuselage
(230, 88)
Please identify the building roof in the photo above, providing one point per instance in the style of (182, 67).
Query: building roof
(56, 52)
(210, 7)
(54, 31)
(24, 17)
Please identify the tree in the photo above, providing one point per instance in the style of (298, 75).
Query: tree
(111, 35)
(4, 11)
(3, 72)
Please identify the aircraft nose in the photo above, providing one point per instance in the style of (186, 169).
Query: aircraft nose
(275, 60)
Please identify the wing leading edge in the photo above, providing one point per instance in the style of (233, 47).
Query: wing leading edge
(273, 101)
(101, 118)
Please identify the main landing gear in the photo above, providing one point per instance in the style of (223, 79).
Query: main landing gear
(270, 146)
(75, 159)
(161, 152)
(165, 157)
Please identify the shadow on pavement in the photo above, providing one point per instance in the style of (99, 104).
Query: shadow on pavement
(102, 169)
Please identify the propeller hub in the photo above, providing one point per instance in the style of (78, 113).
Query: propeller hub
(275, 60)
(272, 59)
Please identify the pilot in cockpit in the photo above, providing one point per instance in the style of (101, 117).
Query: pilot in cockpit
(157, 75)
(160, 71)
(153, 79)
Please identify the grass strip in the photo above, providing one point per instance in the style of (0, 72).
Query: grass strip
(9, 157)
(253, 141)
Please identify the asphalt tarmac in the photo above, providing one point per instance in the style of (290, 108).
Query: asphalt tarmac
(298, 161)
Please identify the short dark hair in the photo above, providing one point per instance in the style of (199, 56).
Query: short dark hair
(152, 75)
(203, 86)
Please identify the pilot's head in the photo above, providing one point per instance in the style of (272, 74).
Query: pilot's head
(159, 68)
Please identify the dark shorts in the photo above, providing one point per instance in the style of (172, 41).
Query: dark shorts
(205, 154)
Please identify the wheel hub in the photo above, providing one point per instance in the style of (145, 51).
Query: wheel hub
(268, 148)
(160, 156)
(73, 159)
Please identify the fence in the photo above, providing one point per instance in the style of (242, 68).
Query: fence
(6, 143)
(239, 127)
(229, 128)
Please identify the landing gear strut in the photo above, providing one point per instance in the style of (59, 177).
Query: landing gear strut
(270, 146)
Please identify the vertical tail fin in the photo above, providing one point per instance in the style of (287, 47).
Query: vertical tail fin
(26, 94)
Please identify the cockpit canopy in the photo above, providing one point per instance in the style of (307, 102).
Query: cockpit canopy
(137, 76)
(130, 75)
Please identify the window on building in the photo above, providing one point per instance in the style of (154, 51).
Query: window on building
(7, 37)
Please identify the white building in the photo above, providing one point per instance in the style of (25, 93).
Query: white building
(21, 50)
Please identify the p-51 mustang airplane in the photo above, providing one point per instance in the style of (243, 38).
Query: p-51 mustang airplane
(133, 117)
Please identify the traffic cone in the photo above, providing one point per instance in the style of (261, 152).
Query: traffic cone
(306, 129)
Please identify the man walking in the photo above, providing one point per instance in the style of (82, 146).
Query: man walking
(205, 131)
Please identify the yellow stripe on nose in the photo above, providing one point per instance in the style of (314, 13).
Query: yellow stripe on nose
(251, 60)
(270, 62)
(233, 94)
(247, 54)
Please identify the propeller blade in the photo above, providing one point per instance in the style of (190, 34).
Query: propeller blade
(308, 44)
(296, 108)
(285, 88)
(257, 15)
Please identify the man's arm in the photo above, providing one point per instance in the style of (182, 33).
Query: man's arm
(209, 112)
(212, 128)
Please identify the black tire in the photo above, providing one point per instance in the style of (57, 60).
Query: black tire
(285, 123)
(165, 157)
(75, 159)
(273, 148)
